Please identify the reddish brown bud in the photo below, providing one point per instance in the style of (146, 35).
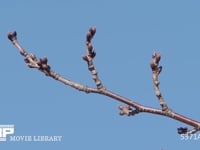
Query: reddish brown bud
(12, 36)
(156, 57)
(92, 30)
(43, 60)
(89, 36)
(85, 57)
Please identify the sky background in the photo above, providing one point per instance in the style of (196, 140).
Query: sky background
(128, 32)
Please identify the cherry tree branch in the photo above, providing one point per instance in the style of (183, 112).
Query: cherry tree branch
(156, 70)
(131, 108)
(90, 56)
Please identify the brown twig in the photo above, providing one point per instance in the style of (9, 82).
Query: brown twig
(131, 107)
(156, 70)
(90, 56)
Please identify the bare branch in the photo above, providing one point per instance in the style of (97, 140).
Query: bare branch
(156, 70)
(41, 65)
(90, 56)
(131, 107)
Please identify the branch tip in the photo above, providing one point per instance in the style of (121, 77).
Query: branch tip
(85, 57)
(156, 56)
(12, 36)
(90, 34)
(92, 30)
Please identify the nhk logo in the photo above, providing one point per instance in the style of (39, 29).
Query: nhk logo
(6, 130)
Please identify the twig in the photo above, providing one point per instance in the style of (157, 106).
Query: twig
(90, 56)
(156, 70)
(131, 107)
(42, 65)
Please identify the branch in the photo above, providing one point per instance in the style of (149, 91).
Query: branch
(90, 56)
(132, 108)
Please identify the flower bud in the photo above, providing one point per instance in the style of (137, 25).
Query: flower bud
(92, 30)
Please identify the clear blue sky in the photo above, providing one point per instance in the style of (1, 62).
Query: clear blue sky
(128, 32)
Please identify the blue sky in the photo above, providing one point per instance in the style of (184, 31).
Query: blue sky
(128, 32)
